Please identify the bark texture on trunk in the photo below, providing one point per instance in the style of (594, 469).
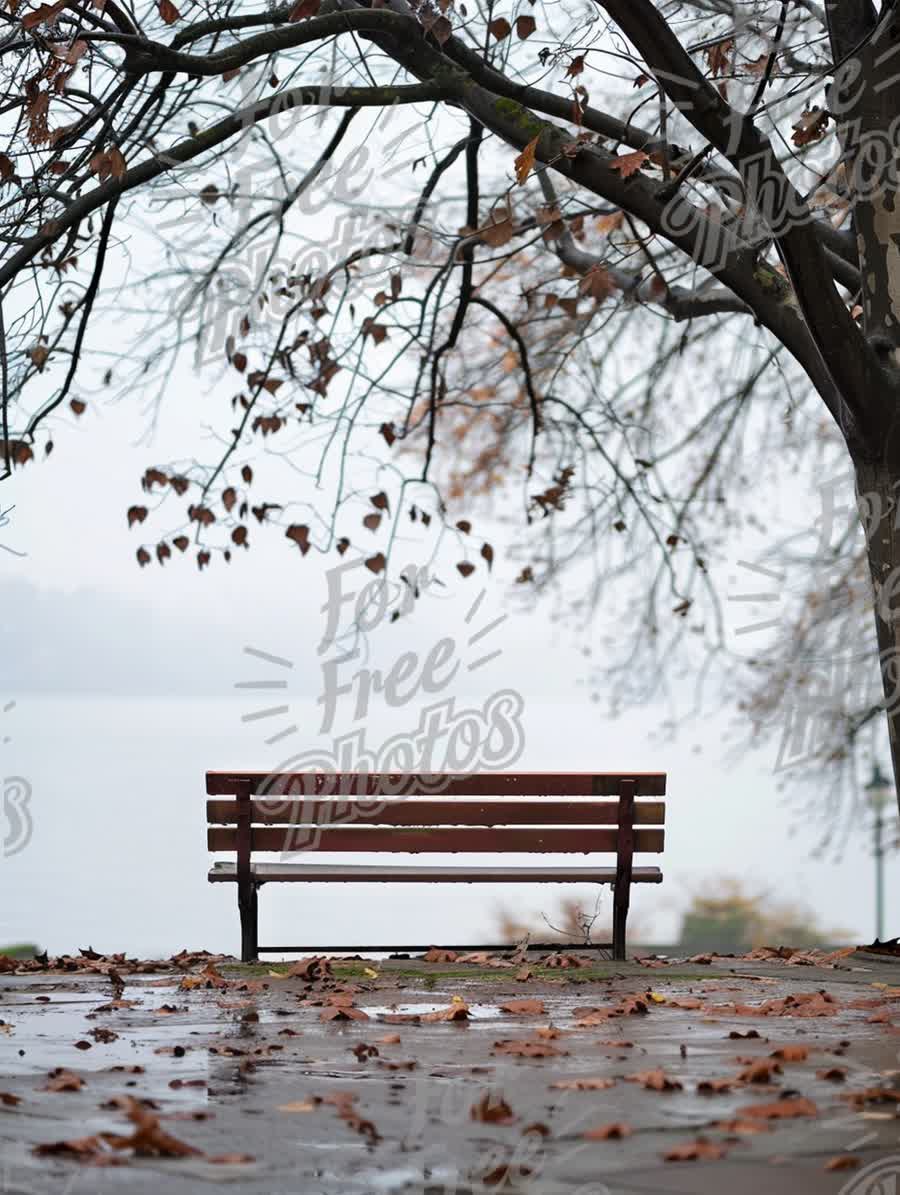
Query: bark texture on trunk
(877, 487)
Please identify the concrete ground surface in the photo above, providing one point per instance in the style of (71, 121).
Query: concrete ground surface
(323, 1083)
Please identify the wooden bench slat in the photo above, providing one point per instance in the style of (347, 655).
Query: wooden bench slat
(419, 811)
(526, 784)
(441, 839)
(326, 872)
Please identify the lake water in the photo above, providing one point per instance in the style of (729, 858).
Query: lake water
(118, 857)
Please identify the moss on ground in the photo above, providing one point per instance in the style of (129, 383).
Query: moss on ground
(433, 976)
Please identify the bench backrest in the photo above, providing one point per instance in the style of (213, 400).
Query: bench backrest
(557, 812)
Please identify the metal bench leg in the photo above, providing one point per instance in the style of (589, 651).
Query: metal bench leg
(625, 852)
(620, 918)
(247, 906)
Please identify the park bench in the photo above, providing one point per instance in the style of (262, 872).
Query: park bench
(299, 814)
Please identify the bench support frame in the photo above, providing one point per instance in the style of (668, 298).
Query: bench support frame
(248, 887)
(624, 862)
(248, 902)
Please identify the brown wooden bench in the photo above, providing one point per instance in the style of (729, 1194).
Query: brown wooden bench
(553, 813)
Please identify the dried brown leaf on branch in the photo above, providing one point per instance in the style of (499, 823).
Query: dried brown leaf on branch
(629, 164)
(718, 56)
(525, 162)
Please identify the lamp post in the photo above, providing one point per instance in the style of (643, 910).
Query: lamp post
(879, 791)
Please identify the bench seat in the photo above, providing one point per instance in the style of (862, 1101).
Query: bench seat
(371, 873)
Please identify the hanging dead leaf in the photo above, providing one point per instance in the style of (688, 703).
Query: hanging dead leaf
(499, 229)
(304, 10)
(718, 56)
(597, 283)
(628, 164)
(525, 162)
(811, 127)
(299, 533)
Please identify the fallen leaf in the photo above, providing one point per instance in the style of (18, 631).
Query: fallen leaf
(63, 1080)
(527, 1049)
(524, 1008)
(458, 1011)
(81, 1148)
(609, 1132)
(788, 1109)
(695, 1151)
(655, 1080)
(310, 968)
(148, 1138)
(343, 1012)
(741, 1127)
(715, 1086)
(437, 955)
(872, 1095)
(843, 1162)
(760, 1071)
(791, 1053)
(599, 1084)
(489, 1110)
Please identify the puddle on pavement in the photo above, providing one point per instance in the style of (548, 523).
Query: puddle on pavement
(43, 1035)
(477, 1012)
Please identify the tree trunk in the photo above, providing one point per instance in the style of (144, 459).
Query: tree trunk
(877, 487)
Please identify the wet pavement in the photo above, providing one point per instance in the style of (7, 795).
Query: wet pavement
(327, 1086)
